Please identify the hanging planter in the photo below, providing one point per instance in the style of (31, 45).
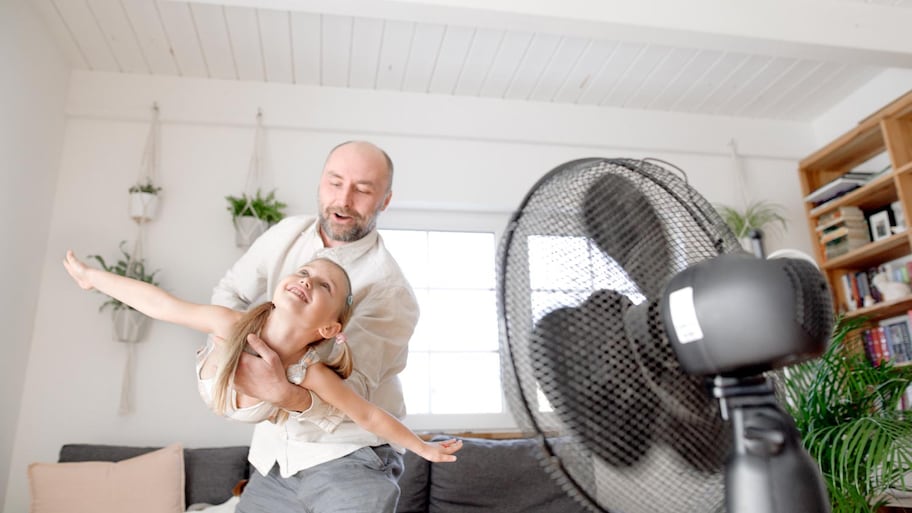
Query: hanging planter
(144, 193)
(252, 215)
(129, 324)
(144, 202)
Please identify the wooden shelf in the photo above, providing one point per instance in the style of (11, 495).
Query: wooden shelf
(869, 255)
(876, 193)
(883, 309)
(888, 130)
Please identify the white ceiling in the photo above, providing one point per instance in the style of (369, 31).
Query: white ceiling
(779, 59)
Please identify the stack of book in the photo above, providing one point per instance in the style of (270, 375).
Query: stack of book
(842, 230)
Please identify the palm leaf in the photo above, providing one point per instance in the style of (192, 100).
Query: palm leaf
(846, 411)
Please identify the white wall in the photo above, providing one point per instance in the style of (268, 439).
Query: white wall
(866, 100)
(450, 153)
(32, 95)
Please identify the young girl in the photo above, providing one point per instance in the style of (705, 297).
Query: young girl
(309, 306)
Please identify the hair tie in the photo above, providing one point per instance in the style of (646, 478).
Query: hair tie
(348, 300)
(341, 338)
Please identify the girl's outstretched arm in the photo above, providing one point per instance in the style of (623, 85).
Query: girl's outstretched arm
(151, 300)
(329, 386)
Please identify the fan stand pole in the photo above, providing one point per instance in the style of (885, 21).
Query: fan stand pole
(768, 470)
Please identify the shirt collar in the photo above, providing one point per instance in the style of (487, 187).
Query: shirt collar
(346, 253)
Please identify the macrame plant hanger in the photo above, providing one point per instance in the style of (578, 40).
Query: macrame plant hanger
(247, 224)
(132, 324)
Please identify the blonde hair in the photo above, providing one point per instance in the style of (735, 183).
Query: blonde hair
(253, 322)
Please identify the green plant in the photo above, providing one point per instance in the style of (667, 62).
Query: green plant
(266, 208)
(758, 214)
(846, 411)
(124, 267)
(147, 187)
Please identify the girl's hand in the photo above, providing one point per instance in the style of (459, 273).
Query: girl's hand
(440, 452)
(78, 270)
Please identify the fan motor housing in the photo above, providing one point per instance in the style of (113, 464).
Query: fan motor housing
(739, 315)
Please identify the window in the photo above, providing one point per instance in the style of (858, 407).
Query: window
(452, 380)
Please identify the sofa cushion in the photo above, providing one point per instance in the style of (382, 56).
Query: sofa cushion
(413, 484)
(148, 483)
(497, 475)
(210, 473)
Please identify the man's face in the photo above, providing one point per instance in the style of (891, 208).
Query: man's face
(353, 191)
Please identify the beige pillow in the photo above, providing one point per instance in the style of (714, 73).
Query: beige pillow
(150, 483)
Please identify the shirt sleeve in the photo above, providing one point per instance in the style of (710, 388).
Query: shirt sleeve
(246, 280)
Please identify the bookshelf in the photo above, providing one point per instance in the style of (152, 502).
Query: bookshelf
(888, 131)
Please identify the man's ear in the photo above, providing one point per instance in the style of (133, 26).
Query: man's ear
(386, 202)
(330, 330)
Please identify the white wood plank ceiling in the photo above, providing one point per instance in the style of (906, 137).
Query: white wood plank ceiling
(497, 49)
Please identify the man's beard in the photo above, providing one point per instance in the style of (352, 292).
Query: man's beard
(358, 230)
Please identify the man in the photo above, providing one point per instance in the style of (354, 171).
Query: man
(317, 461)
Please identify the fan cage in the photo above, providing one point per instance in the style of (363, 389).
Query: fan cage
(586, 371)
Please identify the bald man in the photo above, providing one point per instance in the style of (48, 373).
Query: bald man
(318, 461)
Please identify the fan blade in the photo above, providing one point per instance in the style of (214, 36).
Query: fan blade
(572, 342)
(698, 437)
(622, 222)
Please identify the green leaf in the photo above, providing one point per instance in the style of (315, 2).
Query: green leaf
(123, 267)
(846, 411)
(266, 208)
(760, 215)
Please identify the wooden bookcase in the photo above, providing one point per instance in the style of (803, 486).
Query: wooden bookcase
(890, 130)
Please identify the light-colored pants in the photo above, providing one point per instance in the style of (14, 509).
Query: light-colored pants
(363, 481)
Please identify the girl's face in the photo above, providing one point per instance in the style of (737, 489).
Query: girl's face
(315, 294)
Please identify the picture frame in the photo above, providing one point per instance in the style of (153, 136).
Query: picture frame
(880, 225)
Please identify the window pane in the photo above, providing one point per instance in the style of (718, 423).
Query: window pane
(461, 320)
(410, 249)
(415, 383)
(425, 331)
(461, 260)
(559, 263)
(465, 383)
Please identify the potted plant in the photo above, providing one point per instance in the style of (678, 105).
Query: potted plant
(129, 324)
(252, 215)
(144, 201)
(847, 412)
(759, 215)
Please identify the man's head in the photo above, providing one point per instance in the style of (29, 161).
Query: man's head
(356, 185)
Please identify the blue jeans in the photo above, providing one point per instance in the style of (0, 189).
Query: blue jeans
(363, 481)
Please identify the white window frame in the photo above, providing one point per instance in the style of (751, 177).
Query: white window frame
(453, 220)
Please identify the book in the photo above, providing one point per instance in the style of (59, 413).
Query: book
(834, 189)
(896, 330)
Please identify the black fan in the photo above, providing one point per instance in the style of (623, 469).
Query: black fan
(586, 361)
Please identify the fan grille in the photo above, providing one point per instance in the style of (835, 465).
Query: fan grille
(585, 367)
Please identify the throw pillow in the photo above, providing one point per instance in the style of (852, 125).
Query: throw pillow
(150, 483)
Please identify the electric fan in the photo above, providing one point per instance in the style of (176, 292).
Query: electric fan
(632, 419)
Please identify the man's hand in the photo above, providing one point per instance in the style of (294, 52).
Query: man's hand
(263, 377)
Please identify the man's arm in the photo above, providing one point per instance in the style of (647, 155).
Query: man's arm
(378, 336)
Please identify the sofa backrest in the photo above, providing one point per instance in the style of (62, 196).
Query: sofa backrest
(506, 476)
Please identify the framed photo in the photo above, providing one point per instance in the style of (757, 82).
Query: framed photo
(880, 225)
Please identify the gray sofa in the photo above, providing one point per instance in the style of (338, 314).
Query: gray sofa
(494, 476)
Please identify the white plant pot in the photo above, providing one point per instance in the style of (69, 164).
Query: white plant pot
(129, 325)
(247, 229)
(143, 206)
